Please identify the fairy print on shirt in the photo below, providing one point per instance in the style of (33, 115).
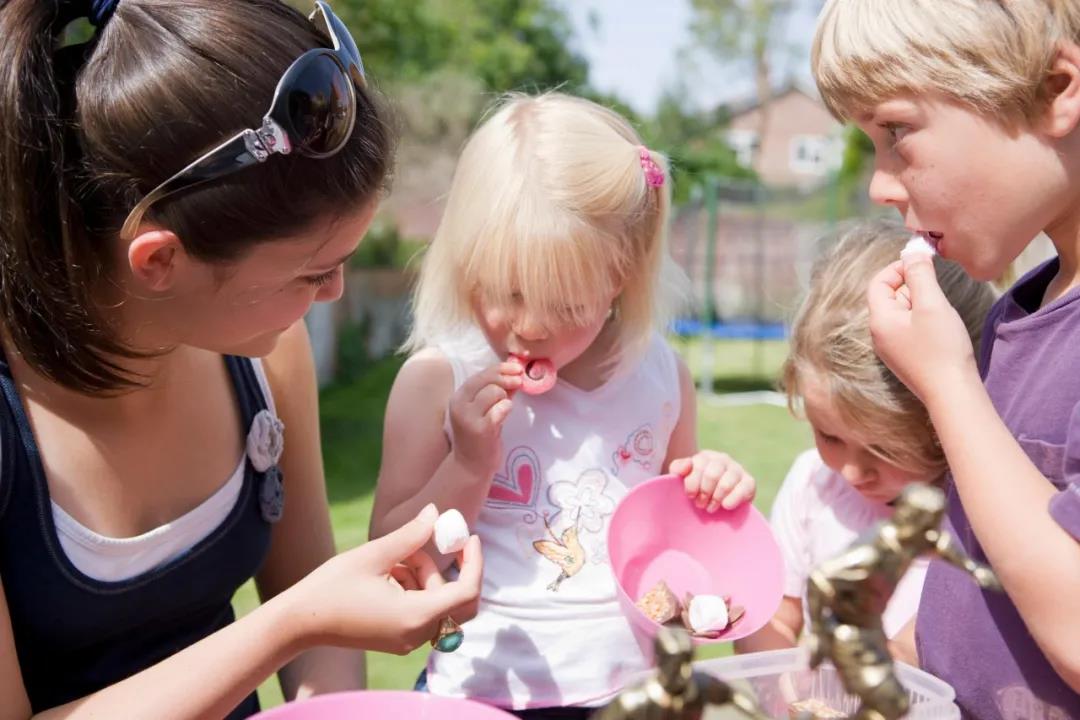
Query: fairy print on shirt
(581, 508)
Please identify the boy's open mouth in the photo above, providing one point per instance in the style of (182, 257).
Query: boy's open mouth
(932, 237)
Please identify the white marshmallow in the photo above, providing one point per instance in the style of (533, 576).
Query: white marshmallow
(918, 244)
(707, 613)
(451, 532)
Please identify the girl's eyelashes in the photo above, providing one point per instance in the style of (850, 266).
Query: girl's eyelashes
(828, 439)
(561, 312)
(320, 280)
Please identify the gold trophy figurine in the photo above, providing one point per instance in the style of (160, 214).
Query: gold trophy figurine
(847, 595)
(675, 691)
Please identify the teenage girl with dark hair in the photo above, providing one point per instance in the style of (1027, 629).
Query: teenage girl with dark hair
(174, 195)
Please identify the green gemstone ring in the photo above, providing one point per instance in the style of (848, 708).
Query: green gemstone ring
(449, 637)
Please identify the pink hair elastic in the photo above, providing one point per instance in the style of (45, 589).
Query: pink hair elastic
(654, 176)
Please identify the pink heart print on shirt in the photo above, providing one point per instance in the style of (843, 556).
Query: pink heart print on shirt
(519, 487)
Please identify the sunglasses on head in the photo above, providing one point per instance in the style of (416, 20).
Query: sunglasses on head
(312, 113)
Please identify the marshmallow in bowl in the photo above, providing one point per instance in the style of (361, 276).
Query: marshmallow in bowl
(707, 613)
(918, 245)
(451, 532)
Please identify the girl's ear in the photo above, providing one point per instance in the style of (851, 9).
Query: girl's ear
(155, 256)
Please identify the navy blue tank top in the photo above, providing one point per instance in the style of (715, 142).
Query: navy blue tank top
(75, 634)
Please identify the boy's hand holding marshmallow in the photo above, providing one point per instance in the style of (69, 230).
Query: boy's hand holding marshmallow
(916, 332)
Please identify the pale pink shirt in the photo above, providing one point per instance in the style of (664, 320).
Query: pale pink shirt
(816, 516)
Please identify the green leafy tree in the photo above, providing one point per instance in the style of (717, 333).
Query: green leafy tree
(505, 44)
(512, 44)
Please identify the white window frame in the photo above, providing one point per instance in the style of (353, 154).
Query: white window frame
(746, 145)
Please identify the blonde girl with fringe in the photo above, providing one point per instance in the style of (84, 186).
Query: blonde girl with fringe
(872, 435)
(552, 248)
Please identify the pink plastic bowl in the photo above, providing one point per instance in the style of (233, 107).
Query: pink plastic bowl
(657, 533)
(379, 704)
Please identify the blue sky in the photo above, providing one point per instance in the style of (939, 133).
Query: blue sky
(634, 51)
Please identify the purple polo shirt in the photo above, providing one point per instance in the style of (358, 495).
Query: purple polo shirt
(975, 640)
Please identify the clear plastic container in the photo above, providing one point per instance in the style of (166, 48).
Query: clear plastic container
(780, 677)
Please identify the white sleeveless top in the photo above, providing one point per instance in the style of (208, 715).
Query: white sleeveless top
(114, 559)
(550, 631)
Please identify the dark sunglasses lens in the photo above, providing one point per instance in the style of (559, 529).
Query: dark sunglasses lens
(320, 104)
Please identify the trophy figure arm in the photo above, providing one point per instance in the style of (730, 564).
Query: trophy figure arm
(950, 551)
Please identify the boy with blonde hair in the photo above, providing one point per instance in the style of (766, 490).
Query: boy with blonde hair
(973, 107)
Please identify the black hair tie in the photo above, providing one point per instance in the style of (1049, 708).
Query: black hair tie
(97, 12)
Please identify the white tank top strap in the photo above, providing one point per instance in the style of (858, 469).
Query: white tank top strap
(264, 384)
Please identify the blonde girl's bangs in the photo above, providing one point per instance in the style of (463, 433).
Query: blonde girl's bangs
(563, 269)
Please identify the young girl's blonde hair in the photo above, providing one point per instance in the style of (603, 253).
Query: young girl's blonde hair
(551, 206)
(830, 341)
(990, 55)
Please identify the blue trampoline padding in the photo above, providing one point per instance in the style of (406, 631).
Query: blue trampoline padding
(692, 327)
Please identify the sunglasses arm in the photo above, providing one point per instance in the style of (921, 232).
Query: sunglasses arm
(242, 150)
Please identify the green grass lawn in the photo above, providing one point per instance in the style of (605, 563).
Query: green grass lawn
(764, 438)
(738, 365)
